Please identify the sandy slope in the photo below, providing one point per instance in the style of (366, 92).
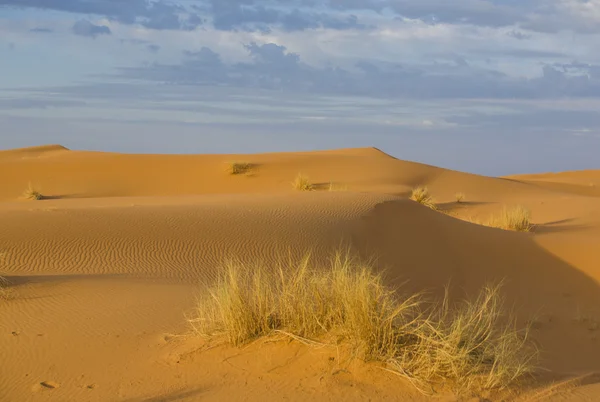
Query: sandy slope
(104, 269)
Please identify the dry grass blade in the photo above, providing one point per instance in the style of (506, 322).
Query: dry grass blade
(302, 183)
(470, 345)
(423, 197)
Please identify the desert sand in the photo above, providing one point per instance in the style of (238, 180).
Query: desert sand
(105, 268)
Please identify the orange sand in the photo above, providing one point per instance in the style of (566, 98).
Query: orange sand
(104, 269)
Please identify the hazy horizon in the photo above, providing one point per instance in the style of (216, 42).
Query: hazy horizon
(484, 86)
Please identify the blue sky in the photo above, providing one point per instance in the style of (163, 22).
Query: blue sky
(487, 86)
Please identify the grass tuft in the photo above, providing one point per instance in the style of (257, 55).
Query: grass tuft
(423, 197)
(470, 345)
(460, 197)
(517, 218)
(302, 183)
(31, 193)
(235, 168)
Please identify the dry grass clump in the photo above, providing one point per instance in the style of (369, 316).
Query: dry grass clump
(302, 183)
(517, 218)
(460, 197)
(430, 344)
(239, 167)
(31, 193)
(470, 344)
(423, 197)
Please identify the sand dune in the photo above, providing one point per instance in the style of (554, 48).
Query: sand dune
(104, 268)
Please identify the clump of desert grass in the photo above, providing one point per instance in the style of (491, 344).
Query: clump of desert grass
(302, 183)
(516, 218)
(460, 197)
(31, 193)
(422, 196)
(469, 346)
(236, 168)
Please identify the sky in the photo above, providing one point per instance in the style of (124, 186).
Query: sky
(494, 87)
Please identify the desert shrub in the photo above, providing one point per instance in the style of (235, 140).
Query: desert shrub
(236, 168)
(470, 345)
(302, 183)
(31, 193)
(517, 218)
(423, 197)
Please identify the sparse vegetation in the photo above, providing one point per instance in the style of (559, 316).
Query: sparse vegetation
(302, 183)
(467, 345)
(236, 168)
(460, 197)
(31, 193)
(517, 218)
(423, 197)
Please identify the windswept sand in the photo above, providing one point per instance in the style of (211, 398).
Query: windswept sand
(104, 269)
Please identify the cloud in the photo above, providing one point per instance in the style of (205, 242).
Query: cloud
(524, 53)
(27, 103)
(548, 16)
(518, 35)
(41, 30)
(273, 67)
(540, 119)
(86, 28)
(153, 48)
(250, 16)
(150, 14)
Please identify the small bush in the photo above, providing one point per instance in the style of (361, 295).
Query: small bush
(422, 196)
(517, 218)
(467, 345)
(302, 183)
(460, 197)
(235, 168)
(31, 193)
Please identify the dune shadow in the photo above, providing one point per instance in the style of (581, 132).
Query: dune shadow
(553, 385)
(422, 250)
(402, 194)
(65, 196)
(320, 186)
(453, 205)
(174, 396)
(330, 186)
(558, 227)
(19, 280)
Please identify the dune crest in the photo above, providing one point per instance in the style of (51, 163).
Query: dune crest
(35, 149)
